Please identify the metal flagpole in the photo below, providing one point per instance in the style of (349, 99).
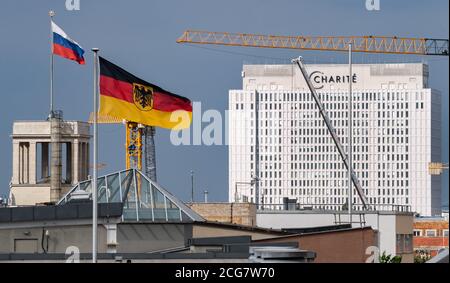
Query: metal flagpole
(192, 186)
(51, 14)
(350, 143)
(94, 174)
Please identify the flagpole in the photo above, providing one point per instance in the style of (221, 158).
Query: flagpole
(51, 13)
(94, 174)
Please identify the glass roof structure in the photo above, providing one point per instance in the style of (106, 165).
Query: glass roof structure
(142, 198)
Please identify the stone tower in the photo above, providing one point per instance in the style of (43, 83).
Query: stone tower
(31, 182)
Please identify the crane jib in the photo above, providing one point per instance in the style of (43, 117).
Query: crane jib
(367, 44)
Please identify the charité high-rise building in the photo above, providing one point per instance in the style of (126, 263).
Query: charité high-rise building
(276, 134)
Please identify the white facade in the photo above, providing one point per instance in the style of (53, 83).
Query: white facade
(396, 133)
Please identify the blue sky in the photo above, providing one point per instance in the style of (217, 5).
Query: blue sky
(140, 36)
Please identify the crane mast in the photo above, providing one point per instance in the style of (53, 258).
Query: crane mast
(150, 152)
(139, 144)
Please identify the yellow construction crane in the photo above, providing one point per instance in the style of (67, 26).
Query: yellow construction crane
(133, 139)
(436, 168)
(368, 44)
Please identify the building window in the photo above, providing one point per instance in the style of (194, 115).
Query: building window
(431, 233)
(445, 232)
(417, 233)
(404, 243)
(399, 243)
(408, 244)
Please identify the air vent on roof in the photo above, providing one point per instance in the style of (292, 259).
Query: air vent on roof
(79, 196)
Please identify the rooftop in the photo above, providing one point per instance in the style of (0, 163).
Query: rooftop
(42, 128)
(381, 209)
(142, 199)
(430, 219)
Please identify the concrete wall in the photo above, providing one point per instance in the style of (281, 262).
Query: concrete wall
(28, 240)
(141, 237)
(287, 219)
(348, 246)
(205, 231)
(368, 76)
(123, 238)
(32, 195)
(236, 213)
(115, 238)
(403, 226)
(386, 232)
(120, 238)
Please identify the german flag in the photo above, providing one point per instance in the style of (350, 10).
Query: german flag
(125, 96)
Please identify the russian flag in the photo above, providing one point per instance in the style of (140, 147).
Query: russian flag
(65, 47)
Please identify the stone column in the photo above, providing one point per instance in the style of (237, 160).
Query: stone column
(56, 166)
(87, 160)
(83, 161)
(15, 162)
(23, 163)
(76, 161)
(32, 163)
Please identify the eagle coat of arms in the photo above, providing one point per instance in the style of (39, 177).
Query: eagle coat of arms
(143, 97)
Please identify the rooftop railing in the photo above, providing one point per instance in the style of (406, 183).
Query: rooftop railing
(334, 207)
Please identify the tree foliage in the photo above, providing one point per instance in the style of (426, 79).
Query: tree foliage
(384, 258)
(421, 256)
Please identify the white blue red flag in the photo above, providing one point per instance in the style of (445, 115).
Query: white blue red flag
(65, 47)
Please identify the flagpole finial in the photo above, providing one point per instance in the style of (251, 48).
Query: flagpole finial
(95, 50)
(51, 13)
